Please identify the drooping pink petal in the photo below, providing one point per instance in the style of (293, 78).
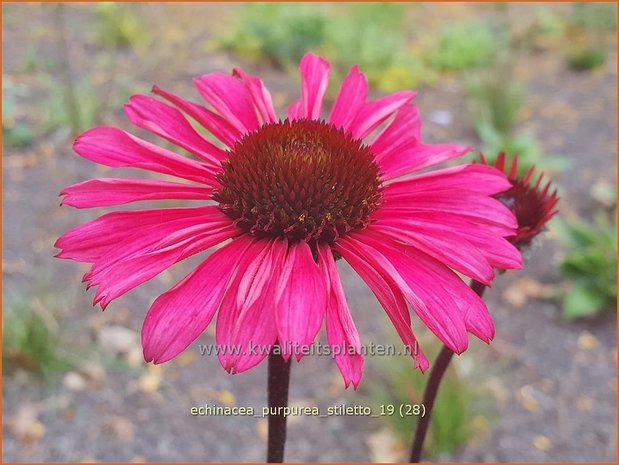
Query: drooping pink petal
(476, 315)
(459, 208)
(215, 124)
(137, 259)
(499, 251)
(471, 205)
(246, 319)
(90, 241)
(417, 157)
(259, 94)
(139, 239)
(103, 192)
(379, 276)
(230, 98)
(481, 179)
(451, 248)
(237, 296)
(373, 113)
(180, 315)
(432, 304)
(350, 99)
(401, 217)
(314, 81)
(482, 233)
(342, 334)
(169, 123)
(302, 300)
(472, 308)
(115, 280)
(403, 131)
(114, 147)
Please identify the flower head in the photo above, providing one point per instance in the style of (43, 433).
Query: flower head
(532, 205)
(285, 198)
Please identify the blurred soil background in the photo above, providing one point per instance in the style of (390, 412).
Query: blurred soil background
(536, 79)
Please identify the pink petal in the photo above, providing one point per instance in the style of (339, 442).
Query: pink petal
(90, 241)
(462, 203)
(476, 315)
(450, 248)
(139, 240)
(432, 304)
(373, 113)
(417, 157)
(214, 123)
(103, 192)
(295, 110)
(259, 94)
(114, 147)
(404, 130)
(115, 280)
(482, 179)
(230, 98)
(302, 299)
(342, 334)
(180, 315)
(314, 81)
(169, 123)
(350, 99)
(404, 218)
(499, 252)
(472, 308)
(481, 233)
(137, 259)
(379, 276)
(246, 319)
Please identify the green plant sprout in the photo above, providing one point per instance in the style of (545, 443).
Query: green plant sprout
(590, 265)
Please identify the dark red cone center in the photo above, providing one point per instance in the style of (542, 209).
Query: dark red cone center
(302, 180)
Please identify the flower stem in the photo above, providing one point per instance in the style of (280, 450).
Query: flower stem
(436, 376)
(278, 382)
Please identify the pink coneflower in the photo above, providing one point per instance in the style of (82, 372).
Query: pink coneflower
(532, 204)
(287, 198)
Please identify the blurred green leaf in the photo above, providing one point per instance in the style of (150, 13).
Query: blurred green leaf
(586, 58)
(395, 382)
(465, 45)
(30, 338)
(590, 265)
(16, 135)
(283, 32)
(118, 26)
(371, 35)
(496, 99)
(580, 301)
(594, 15)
